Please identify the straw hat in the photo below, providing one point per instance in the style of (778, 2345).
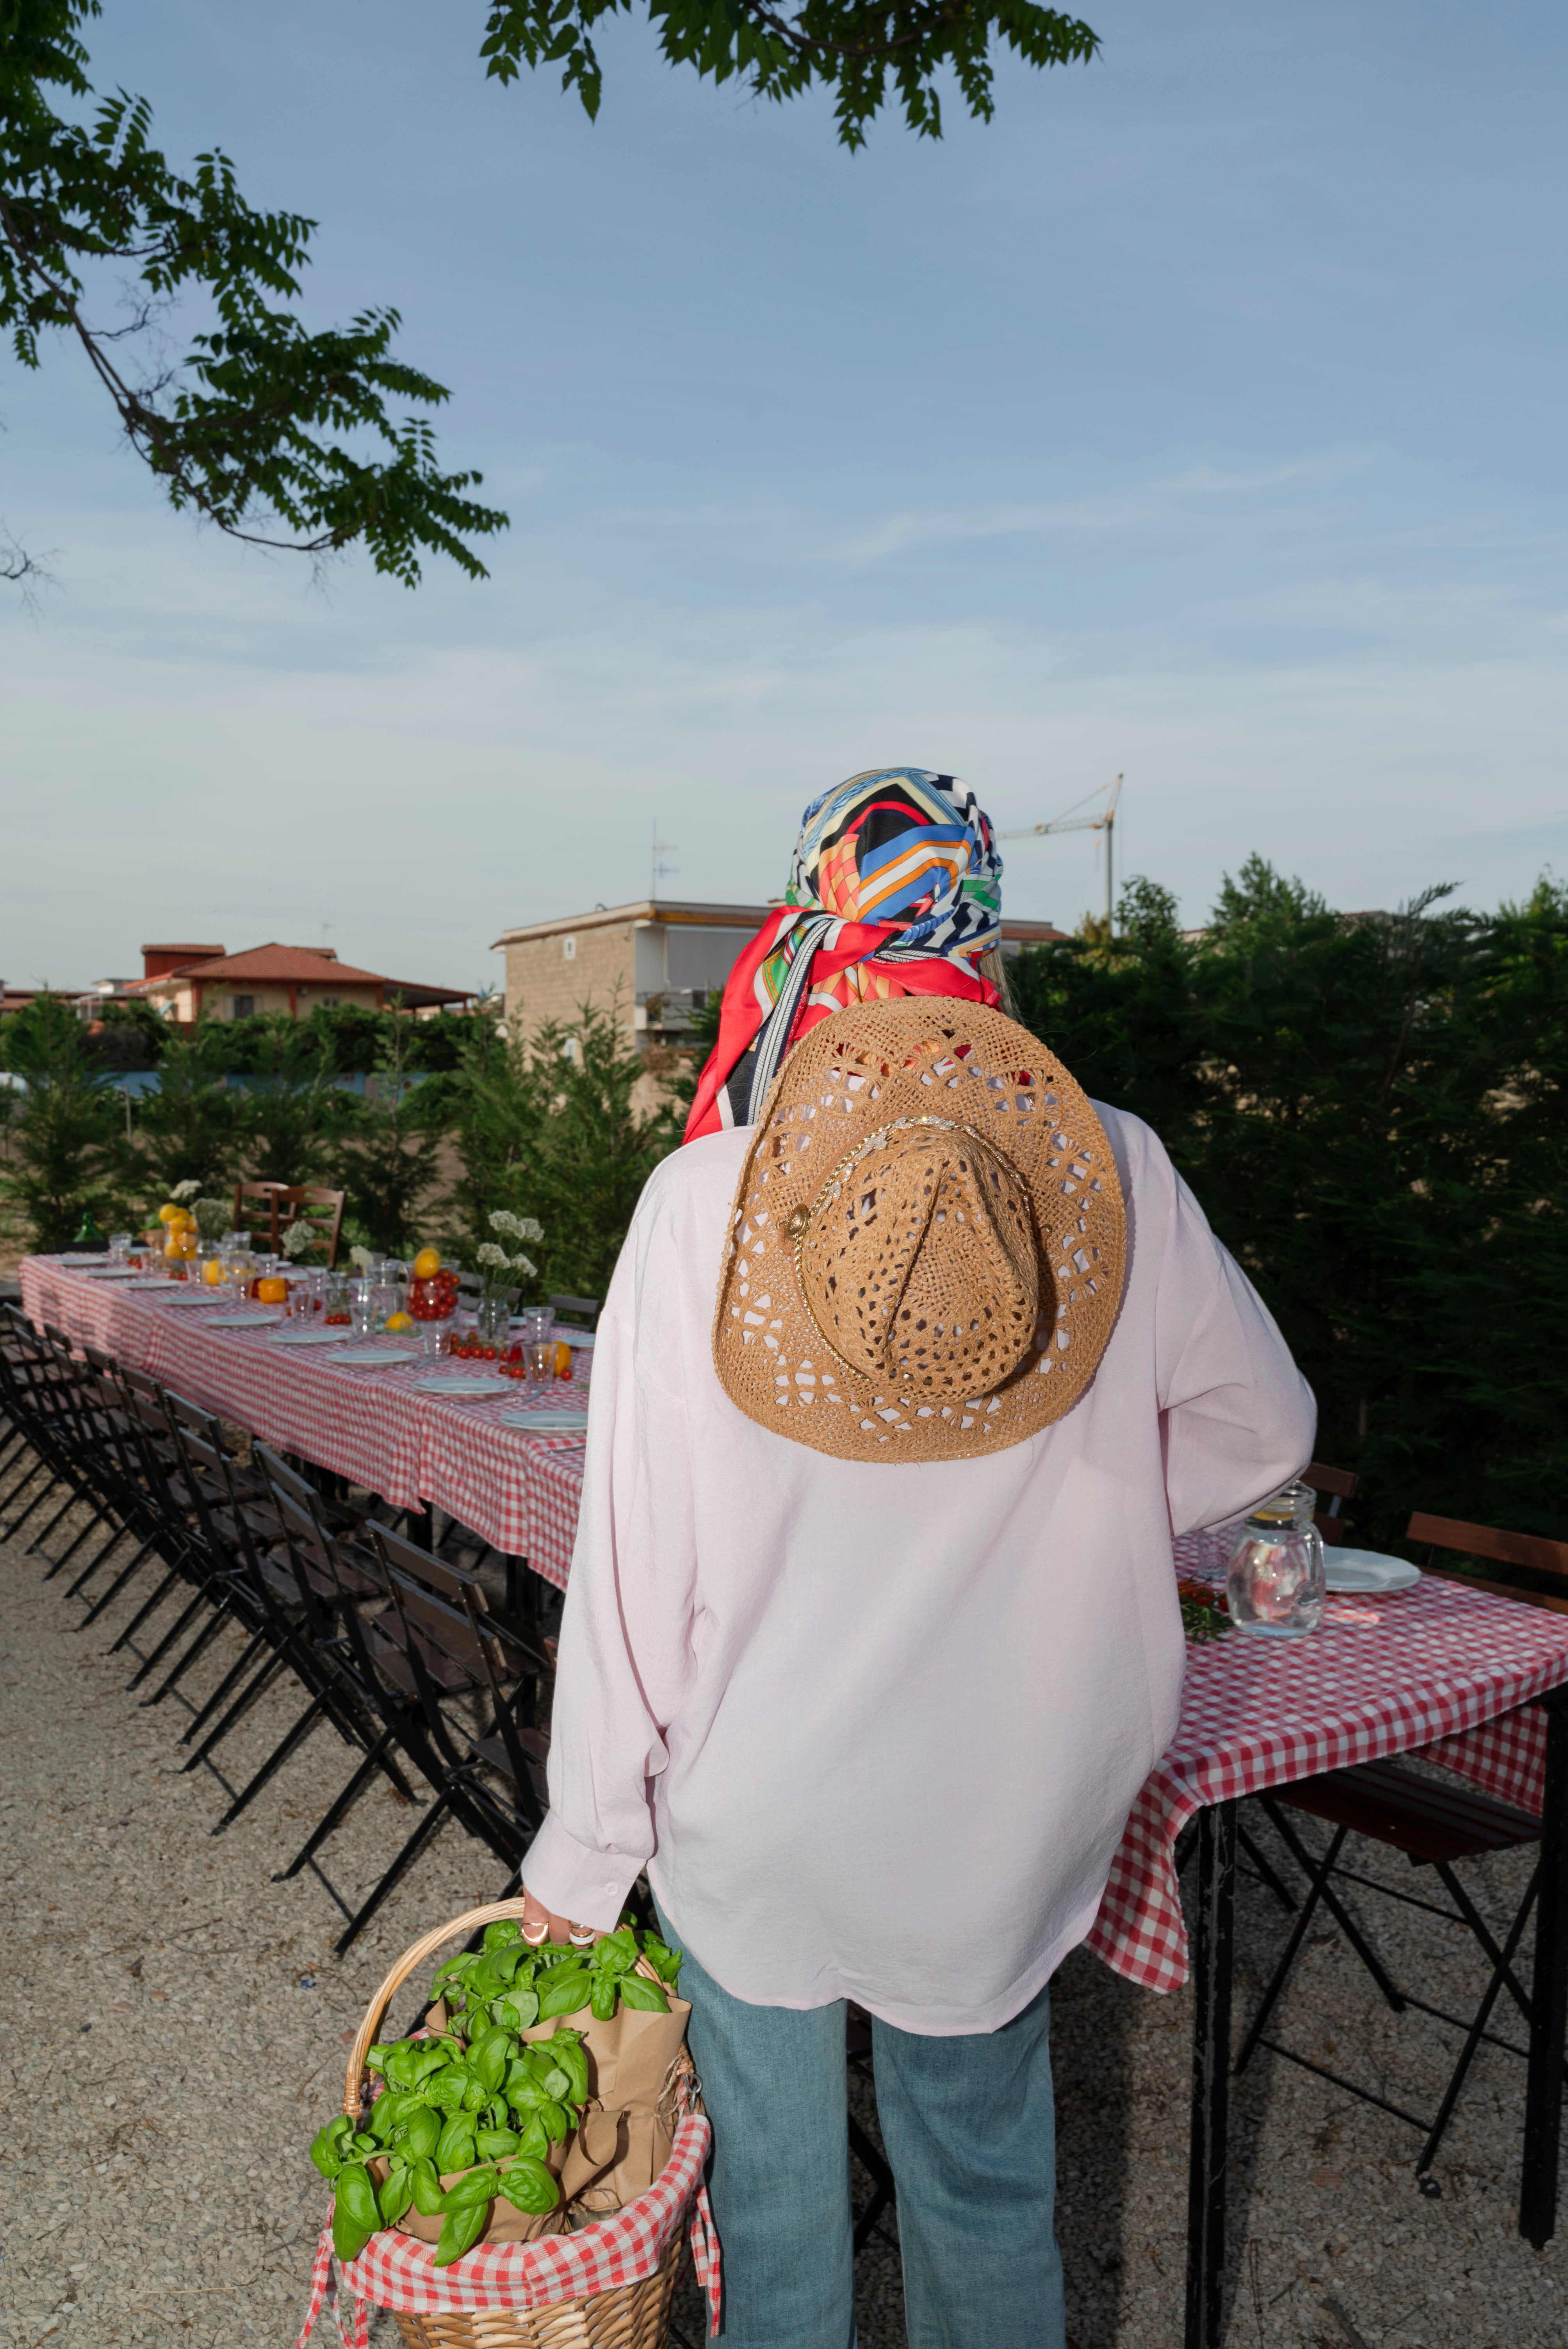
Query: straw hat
(925, 1252)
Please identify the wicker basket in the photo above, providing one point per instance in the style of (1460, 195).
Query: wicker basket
(631, 2316)
(627, 2316)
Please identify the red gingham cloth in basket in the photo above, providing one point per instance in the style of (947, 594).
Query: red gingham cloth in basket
(520, 1492)
(396, 2270)
(1438, 1670)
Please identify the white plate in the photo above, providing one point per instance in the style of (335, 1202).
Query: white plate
(242, 1321)
(544, 1422)
(1369, 1570)
(112, 1272)
(491, 1386)
(373, 1358)
(202, 1296)
(150, 1280)
(316, 1337)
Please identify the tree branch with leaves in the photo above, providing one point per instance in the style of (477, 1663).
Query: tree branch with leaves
(244, 430)
(855, 48)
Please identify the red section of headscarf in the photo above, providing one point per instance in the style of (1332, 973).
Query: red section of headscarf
(741, 1015)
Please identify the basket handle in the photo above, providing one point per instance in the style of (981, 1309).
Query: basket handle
(409, 1962)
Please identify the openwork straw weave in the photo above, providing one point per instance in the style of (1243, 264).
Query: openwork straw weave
(927, 1242)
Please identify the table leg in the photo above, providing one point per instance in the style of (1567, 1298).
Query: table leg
(1212, 1944)
(1549, 2000)
(419, 1528)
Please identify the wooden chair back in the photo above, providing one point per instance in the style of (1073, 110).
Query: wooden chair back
(321, 1209)
(256, 1213)
(1339, 1486)
(582, 1310)
(1537, 1563)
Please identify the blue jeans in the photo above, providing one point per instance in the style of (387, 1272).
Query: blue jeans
(969, 2125)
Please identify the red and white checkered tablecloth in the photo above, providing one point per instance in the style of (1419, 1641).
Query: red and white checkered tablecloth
(396, 2270)
(520, 1492)
(1438, 1671)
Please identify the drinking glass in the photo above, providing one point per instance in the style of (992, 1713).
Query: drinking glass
(119, 1246)
(541, 1358)
(362, 1308)
(1276, 1584)
(336, 1306)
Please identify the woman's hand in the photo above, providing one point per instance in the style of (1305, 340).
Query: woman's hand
(542, 1924)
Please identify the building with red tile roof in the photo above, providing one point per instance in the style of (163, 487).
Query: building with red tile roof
(183, 982)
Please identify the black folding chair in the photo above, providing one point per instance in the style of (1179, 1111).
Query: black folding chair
(1434, 1825)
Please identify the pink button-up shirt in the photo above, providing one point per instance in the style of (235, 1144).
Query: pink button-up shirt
(873, 1728)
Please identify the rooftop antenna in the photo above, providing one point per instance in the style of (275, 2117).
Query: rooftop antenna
(1104, 819)
(661, 848)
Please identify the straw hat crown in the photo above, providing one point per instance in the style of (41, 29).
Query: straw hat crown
(926, 1247)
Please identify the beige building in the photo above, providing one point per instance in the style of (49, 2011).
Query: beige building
(658, 962)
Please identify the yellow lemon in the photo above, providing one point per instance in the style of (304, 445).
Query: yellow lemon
(398, 1322)
(170, 1213)
(212, 1272)
(427, 1264)
(562, 1360)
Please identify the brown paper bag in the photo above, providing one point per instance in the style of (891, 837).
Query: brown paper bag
(623, 2141)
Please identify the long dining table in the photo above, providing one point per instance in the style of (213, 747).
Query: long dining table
(1474, 1682)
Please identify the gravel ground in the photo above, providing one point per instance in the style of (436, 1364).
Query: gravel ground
(173, 2025)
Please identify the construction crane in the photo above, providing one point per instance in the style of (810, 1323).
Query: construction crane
(1105, 821)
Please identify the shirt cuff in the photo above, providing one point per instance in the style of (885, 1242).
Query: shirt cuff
(575, 1880)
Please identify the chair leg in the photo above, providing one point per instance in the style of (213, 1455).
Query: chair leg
(221, 1694)
(274, 1762)
(140, 1618)
(339, 1811)
(1297, 1935)
(399, 1867)
(176, 1631)
(97, 1606)
(240, 1707)
(1336, 1909)
(98, 1517)
(204, 1639)
(1264, 1867)
(1501, 1971)
(91, 1567)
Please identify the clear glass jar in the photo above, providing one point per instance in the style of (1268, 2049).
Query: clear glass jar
(493, 1323)
(1276, 1583)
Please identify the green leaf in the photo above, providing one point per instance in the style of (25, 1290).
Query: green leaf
(396, 2193)
(327, 2149)
(461, 2231)
(477, 2186)
(647, 1997)
(430, 2200)
(356, 2215)
(503, 1933)
(529, 2185)
(563, 1992)
(455, 2147)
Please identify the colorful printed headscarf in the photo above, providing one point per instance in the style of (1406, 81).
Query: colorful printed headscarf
(895, 889)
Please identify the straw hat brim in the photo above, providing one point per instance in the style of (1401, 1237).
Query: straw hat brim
(878, 1066)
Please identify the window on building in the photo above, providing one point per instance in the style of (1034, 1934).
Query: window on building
(243, 1007)
(568, 949)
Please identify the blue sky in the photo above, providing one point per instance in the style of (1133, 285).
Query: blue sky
(1201, 418)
